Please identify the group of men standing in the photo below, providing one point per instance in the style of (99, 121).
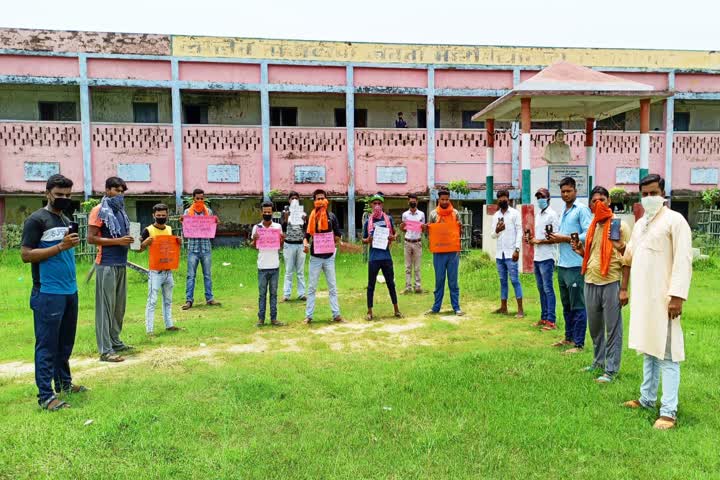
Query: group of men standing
(596, 257)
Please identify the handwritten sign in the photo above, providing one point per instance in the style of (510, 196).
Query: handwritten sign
(199, 226)
(413, 226)
(135, 233)
(296, 213)
(380, 238)
(444, 237)
(324, 243)
(164, 253)
(268, 239)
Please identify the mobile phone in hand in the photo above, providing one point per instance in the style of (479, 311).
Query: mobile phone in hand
(615, 230)
(74, 227)
(548, 229)
(575, 237)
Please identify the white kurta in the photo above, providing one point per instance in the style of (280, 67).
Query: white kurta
(660, 255)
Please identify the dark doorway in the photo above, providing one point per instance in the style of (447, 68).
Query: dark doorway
(144, 213)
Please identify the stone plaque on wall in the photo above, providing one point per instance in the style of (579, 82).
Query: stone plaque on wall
(40, 171)
(391, 175)
(134, 172)
(223, 173)
(703, 176)
(309, 174)
(557, 172)
(627, 176)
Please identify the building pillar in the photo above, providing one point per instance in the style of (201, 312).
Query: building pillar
(265, 129)
(515, 134)
(669, 136)
(490, 161)
(350, 125)
(644, 137)
(430, 112)
(590, 151)
(177, 135)
(525, 154)
(85, 131)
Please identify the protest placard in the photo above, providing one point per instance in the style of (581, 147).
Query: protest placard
(199, 226)
(380, 238)
(413, 226)
(268, 239)
(444, 237)
(324, 243)
(164, 253)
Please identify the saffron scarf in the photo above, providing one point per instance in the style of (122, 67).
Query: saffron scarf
(199, 208)
(318, 220)
(602, 214)
(444, 213)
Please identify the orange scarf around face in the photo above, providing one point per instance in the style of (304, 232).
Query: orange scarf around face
(602, 214)
(318, 217)
(444, 213)
(199, 208)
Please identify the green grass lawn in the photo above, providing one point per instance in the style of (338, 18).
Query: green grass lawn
(481, 396)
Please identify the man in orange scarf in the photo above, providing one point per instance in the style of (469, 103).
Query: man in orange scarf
(602, 267)
(446, 264)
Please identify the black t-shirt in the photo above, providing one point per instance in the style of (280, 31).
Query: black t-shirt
(333, 226)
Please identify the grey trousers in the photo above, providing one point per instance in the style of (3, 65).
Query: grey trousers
(605, 324)
(110, 299)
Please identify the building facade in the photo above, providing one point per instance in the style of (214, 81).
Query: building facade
(247, 118)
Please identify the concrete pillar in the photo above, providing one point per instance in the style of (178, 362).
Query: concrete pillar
(525, 154)
(644, 137)
(430, 112)
(490, 165)
(590, 150)
(515, 130)
(85, 131)
(350, 125)
(177, 135)
(265, 129)
(669, 136)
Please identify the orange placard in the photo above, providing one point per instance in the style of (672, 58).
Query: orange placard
(444, 237)
(164, 253)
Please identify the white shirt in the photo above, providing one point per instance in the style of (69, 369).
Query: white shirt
(418, 216)
(511, 238)
(543, 218)
(268, 259)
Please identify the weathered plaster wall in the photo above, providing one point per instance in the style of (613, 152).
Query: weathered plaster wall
(20, 102)
(227, 108)
(116, 104)
(95, 42)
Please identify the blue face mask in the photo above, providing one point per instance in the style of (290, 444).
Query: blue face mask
(117, 203)
(542, 203)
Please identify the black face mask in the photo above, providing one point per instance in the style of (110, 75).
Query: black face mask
(413, 204)
(503, 205)
(267, 217)
(161, 220)
(61, 203)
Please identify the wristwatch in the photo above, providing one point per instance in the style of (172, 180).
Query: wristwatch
(517, 250)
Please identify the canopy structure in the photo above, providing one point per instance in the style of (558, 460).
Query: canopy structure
(568, 92)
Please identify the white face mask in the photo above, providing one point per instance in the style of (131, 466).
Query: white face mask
(652, 205)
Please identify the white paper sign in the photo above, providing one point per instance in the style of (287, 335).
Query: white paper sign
(135, 233)
(296, 213)
(380, 238)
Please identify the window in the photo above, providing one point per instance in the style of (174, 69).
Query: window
(283, 116)
(467, 120)
(360, 118)
(422, 118)
(145, 112)
(57, 111)
(196, 114)
(681, 122)
(616, 122)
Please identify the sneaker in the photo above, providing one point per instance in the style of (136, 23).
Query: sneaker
(431, 312)
(459, 313)
(275, 323)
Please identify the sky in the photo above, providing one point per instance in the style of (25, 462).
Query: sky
(681, 24)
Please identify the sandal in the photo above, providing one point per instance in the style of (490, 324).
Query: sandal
(664, 423)
(369, 317)
(52, 404)
(399, 315)
(633, 404)
(111, 357)
(307, 321)
(604, 378)
(75, 389)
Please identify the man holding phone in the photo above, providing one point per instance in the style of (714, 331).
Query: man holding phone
(507, 232)
(546, 223)
(49, 245)
(602, 267)
(574, 222)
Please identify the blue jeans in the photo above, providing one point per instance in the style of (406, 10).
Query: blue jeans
(544, 279)
(268, 279)
(206, 260)
(55, 319)
(653, 368)
(159, 281)
(446, 265)
(326, 265)
(505, 266)
(294, 255)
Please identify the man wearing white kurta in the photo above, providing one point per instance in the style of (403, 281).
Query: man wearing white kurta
(659, 257)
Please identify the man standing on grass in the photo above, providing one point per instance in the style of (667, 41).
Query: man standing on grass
(380, 259)
(199, 252)
(158, 280)
(507, 232)
(602, 267)
(659, 262)
(446, 264)
(413, 245)
(49, 246)
(268, 264)
(575, 220)
(546, 222)
(109, 229)
(293, 250)
(320, 224)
